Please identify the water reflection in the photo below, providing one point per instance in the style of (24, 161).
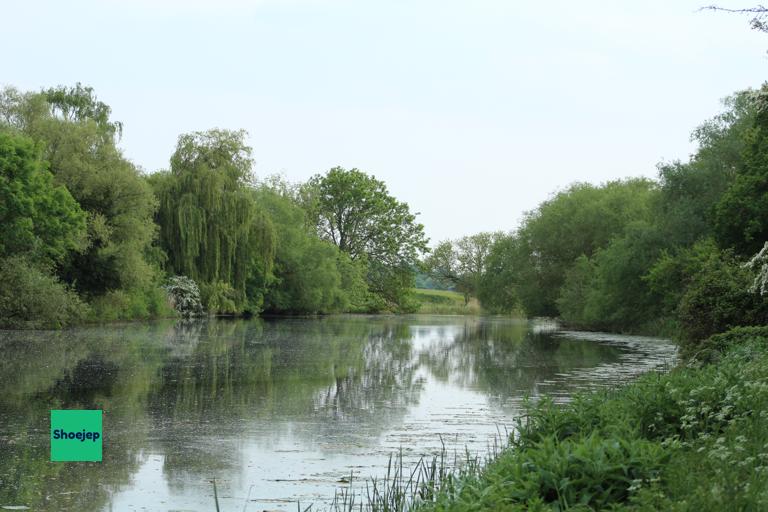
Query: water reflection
(280, 409)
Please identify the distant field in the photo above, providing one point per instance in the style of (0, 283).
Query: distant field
(443, 302)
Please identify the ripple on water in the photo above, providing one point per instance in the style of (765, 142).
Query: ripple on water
(285, 410)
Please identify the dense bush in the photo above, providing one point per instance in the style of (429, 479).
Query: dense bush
(184, 296)
(719, 297)
(130, 304)
(713, 348)
(33, 299)
(219, 297)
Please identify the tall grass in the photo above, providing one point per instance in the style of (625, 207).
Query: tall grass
(444, 302)
(404, 488)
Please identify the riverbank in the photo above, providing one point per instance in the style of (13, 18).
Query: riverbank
(445, 302)
(694, 438)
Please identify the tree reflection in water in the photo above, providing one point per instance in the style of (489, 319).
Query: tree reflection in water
(184, 401)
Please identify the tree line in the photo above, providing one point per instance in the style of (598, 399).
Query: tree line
(670, 255)
(85, 235)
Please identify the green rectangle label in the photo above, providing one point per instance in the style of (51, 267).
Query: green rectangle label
(76, 435)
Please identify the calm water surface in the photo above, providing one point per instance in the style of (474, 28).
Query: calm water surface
(278, 410)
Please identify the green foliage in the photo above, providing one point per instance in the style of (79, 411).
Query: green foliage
(685, 211)
(78, 140)
(578, 221)
(211, 227)
(37, 218)
(590, 472)
(219, 296)
(717, 298)
(610, 291)
(355, 212)
(672, 272)
(33, 299)
(79, 103)
(461, 263)
(498, 288)
(130, 304)
(742, 223)
(310, 275)
(712, 349)
(573, 303)
(741, 218)
(391, 288)
(444, 302)
(692, 439)
(354, 283)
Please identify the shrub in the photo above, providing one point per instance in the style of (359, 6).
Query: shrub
(715, 346)
(130, 304)
(31, 298)
(220, 298)
(184, 296)
(718, 298)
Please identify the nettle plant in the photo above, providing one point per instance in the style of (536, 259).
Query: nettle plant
(184, 295)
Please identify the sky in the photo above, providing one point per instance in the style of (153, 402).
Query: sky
(472, 112)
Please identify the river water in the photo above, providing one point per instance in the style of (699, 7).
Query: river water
(279, 411)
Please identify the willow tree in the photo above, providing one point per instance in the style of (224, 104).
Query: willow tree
(210, 225)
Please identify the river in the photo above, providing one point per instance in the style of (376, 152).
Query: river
(279, 411)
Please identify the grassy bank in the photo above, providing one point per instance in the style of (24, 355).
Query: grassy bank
(695, 438)
(444, 302)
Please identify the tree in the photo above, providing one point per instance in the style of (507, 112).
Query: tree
(741, 215)
(356, 213)
(79, 140)
(309, 275)
(532, 265)
(38, 219)
(211, 226)
(758, 15)
(609, 290)
(689, 190)
(78, 104)
(462, 262)
(499, 286)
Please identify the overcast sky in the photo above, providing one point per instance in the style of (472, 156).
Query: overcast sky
(471, 111)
